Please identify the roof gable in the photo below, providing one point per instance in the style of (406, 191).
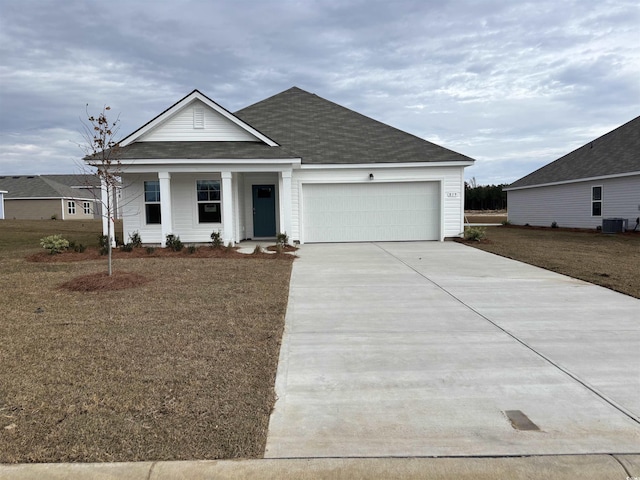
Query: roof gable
(196, 118)
(323, 132)
(614, 153)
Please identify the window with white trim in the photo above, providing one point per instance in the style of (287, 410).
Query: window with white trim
(71, 207)
(208, 199)
(152, 202)
(86, 208)
(596, 201)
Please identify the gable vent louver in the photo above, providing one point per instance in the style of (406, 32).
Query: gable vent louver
(198, 117)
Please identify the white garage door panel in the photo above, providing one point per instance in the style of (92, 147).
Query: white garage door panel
(360, 212)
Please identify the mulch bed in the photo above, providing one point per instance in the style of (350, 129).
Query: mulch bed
(102, 281)
(199, 252)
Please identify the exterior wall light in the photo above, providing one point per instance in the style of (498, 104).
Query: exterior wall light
(371, 176)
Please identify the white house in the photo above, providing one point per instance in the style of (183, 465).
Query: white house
(2, 192)
(293, 163)
(597, 181)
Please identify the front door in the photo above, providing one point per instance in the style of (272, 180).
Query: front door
(264, 211)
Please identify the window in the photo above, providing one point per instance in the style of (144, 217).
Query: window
(208, 195)
(71, 207)
(152, 201)
(86, 207)
(596, 201)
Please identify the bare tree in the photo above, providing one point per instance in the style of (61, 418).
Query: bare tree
(102, 152)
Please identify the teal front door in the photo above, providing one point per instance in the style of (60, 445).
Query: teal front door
(264, 211)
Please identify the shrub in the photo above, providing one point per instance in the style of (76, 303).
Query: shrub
(554, 224)
(76, 247)
(474, 234)
(150, 250)
(127, 247)
(191, 249)
(282, 239)
(229, 247)
(506, 222)
(174, 243)
(216, 240)
(54, 243)
(257, 249)
(103, 241)
(54, 217)
(134, 239)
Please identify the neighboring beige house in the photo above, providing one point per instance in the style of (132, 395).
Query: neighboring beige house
(39, 197)
(293, 163)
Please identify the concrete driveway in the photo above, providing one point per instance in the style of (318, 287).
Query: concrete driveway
(438, 349)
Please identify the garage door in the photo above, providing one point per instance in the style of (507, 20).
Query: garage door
(361, 212)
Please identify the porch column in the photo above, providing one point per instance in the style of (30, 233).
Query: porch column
(227, 208)
(284, 191)
(165, 206)
(104, 213)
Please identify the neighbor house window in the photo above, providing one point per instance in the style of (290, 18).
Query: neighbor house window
(596, 201)
(71, 208)
(152, 201)
(86, 207)
(208, 195)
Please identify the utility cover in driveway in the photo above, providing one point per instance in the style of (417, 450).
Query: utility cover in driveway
(356, 212)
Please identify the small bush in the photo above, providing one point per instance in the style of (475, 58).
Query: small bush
(134, 239)
(506, 222)
(191, 249)
(216, 240)
(554, 224)
(54, 243)
(103, 242)
(474, 234)
(174, 243)
(127, 247)
(282, 239)
(257, 249)
(76, 247)
(150, 250)
(54, 217)
(229, 247)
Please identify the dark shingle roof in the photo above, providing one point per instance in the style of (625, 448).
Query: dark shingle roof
(323, 132)
(198, 150)
(37, 186)
(616, 152)
(308, 127)
(75, 180)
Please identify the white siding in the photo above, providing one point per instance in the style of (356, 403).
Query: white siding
(184, 209)
(180, 127)
(450, 180)
(570, 205)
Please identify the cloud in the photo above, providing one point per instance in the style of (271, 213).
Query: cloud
(513, 84)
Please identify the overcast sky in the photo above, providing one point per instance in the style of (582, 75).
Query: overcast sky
(510, 83)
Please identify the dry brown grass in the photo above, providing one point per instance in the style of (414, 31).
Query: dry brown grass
(180, 367)
(611, 261)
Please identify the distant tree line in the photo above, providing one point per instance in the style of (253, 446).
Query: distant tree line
(484, 197)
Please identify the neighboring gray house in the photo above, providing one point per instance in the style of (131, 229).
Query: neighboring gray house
(39, 197)
(293, 163)
(597, 181)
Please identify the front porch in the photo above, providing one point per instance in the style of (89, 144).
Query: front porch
(239, 203)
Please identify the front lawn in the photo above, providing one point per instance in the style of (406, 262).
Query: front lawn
(180, 367)
(612, 261)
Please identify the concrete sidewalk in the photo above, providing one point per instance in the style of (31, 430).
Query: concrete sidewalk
(429, 349)
(586, 467)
